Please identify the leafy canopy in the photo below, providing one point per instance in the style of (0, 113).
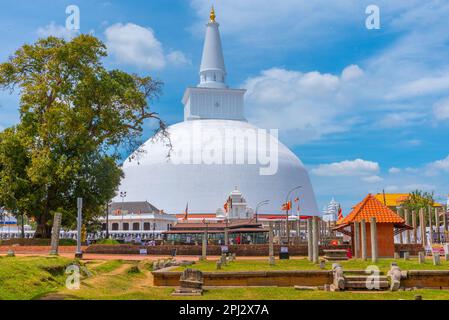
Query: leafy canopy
(75, 116)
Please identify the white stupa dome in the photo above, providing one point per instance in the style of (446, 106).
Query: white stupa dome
(199, 171)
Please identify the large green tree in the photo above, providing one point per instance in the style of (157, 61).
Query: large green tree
(75, 117)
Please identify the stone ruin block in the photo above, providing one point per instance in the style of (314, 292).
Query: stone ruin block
(191, 282)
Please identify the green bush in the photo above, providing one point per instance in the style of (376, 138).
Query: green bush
(108, 241)
(67, 242)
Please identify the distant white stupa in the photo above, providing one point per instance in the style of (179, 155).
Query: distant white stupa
(330, 213)
(204, 163)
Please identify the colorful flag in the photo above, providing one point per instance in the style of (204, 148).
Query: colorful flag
(286, 206)
(340, 213)
(186, 213)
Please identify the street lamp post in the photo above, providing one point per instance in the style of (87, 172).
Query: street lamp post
(107, 219)
(260, 204)
(79, 253)
(123, 196)
(286, 201)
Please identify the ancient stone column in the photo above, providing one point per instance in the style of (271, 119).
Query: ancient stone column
(437, 225)
(315, 237)
(429, 211)
(436, 259)
(204, 247)
(422, 225)
(55, 233)
(445, 220)
(356, 240)
(407, 222)
(373, 231)
(363, 238)
(415, 231)
(309, 240)
(298, 230)
(421, 257)
(270, 244)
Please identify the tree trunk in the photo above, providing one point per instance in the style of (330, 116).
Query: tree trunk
(43, 230)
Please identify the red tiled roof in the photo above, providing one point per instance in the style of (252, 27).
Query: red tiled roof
(196, 215)
(371, 207)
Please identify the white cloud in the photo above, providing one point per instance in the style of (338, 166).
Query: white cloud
(441, 109)
(401, 119)
(411, 143)
(419, 186)
(438, 166)
(391, 188)
(307, 104)
(351, 72)
(178, 58)
(394, 170)
(356, 167)
(55, 30)
(134, 45)
(372, 179)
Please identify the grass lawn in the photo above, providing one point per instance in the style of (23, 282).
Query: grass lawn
(137, 286)
(43, 277)
(28, 278)
(303, 264)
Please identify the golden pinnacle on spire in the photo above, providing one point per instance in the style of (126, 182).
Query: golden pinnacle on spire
(212, 15)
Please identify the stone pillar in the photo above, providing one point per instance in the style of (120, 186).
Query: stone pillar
(298, 230)
(429, 211)
(270, 244)
(445, 220)
(363, 238)
(373, 231)
(421, 257)
(315, 237)
(415, 231)
(204, 247)
(356, 240)
(436, 259)
(437, 224)
(422, 225)
(55, 233)
(407, 222)
(309, 240)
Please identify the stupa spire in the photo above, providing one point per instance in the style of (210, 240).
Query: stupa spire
(212, 70)
(212, 15)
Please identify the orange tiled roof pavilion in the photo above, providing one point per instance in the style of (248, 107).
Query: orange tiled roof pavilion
(371, 207)
(386, 220)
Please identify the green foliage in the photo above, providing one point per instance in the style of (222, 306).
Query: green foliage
(304, 264)
(419, 200)
(107, 241)
(108, 266)
(74, 117)
(133, 270)
(31, 277)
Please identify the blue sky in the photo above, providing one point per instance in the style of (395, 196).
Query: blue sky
(365, 110)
